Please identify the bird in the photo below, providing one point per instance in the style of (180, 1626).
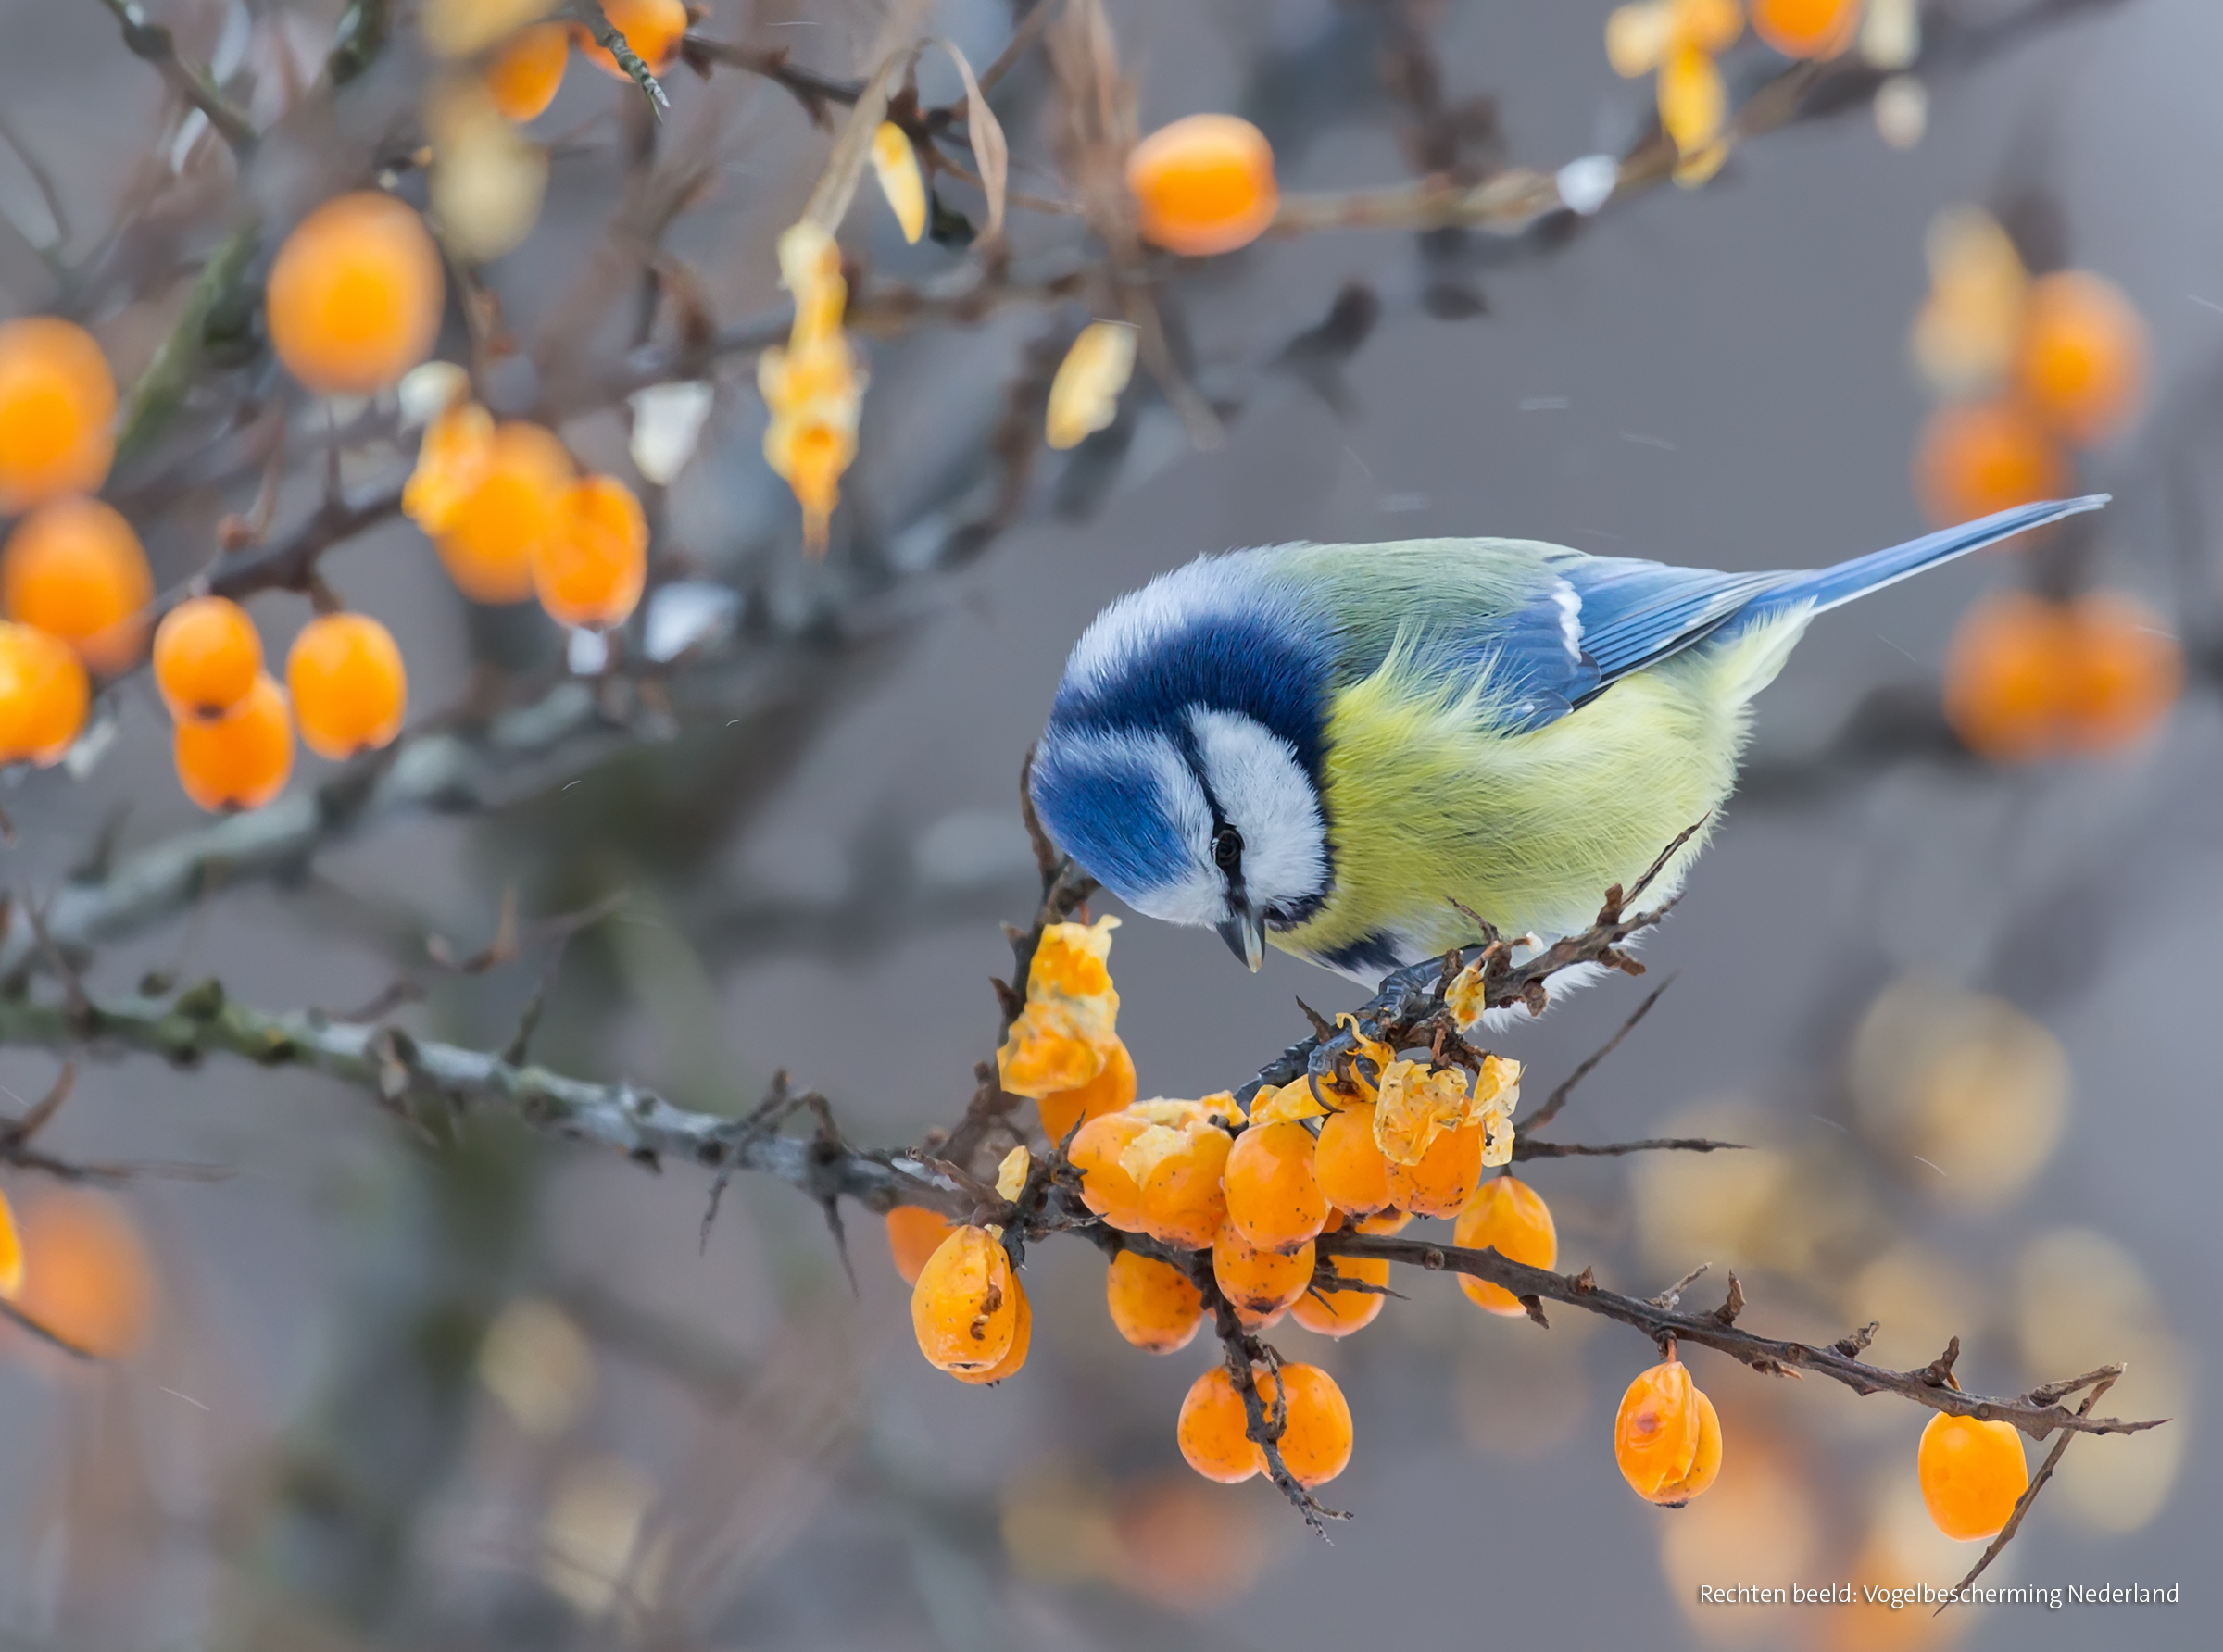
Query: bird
(1352, 752)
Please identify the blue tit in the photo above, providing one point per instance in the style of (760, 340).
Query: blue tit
(1325, 746)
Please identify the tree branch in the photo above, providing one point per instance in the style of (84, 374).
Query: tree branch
(152, 43)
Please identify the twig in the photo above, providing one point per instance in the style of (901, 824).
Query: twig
(2030, 1494)
(152, 43)
(1529, 1147)
(1558, 1098)
(608, 36)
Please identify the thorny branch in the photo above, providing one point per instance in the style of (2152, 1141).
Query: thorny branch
(152, 43)
(608, 37)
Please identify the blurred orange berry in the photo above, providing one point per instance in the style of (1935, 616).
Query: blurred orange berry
(914, 1233)
(355, 295)
(73, 567)
(2083, 357)
(349, 687)
(1315, 1439)
(1817, 29)
(1184, 1546)
(1668, 1437)
(1214, 1430)
(1972, 1475)
(11, 1251)
(525, 74)
(591, 569)
(1107, 1186)
(1112, 1089)
(651, 28)
(1508, 1216)
(1153, 1304)
(964, 1307)
(87, 1277)
(452, 458)
(1259, 1285)
(241, 759)
(2025, 678)
(1446, 1177)
(1351, 1168)
(57, 410)
(1273, 1200)
(2128, 671)
(1203, 184)
(1976, 457)
(513, 504)
(1022, 1336)
(1332, 1313)
(207, 656)
(43, 696)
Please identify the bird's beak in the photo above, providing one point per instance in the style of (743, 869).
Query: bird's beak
(1245, 933)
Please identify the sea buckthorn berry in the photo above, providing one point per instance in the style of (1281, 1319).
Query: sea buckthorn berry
(73, 567)
(1332, 1313)
(57, 410)
(2025, 678)
(1446, 1177)
(1273, 1198)
(1668, 1437)
(1112, 1089)
(651, 28)
(2083, 357)
(1203, 184)
(524, 75)
(1976, 457)
(2127, 671)
(1022, 1336)
(43, 696)
(1817, 29)
(452, 458)
(1153, 1304)
(1107, 1187)
(1352, 1173)
(1260, 1284)
(1382, 1221)
(207, 656)
(1315, 1433)
(914, 1233)
(1177, 1172)
(1214, 1430)
(350, 690)
(11, 1251)
(591, 569)
(355, 295)
(88, 1278)
(1972, 1475)
(1185, 1547)
(487, 539)
(1508, 1216)
(241, 759)
(964, 1307)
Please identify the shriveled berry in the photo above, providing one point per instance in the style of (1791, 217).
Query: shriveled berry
(1446, 1177)
(965, 1307)
(1668, 1437)
(1153, 1304)
(914, 1233)
(241, 759)
(43, 696)
(354, 295)
(1508, 1216)
(73, 567)
(1273, 1197)
(1112, 1089)
(350, 690)
(57, 407)
(207, 656)
(1972, 1475)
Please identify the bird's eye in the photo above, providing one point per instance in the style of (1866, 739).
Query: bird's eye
(1227, 848)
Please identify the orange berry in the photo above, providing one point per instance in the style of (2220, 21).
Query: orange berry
(523, 77)
(2127, 671)
(1668, 1437)
(87, 1278)
(1181, 1202)
(589, 571)
(2027, 677)
(2082, 364)
(74, 568)
(354, 295)
(1153, 1304)
(914, 1233)
(1185, 1547)
(57, 410)
(1382, 1221)
(651, 28)
(1315, 1435)
(1976, 457)
(43, 696)
(1972, 1475)
(452, 458)
(1214, 1430)
(241, 759)
(1022, 1336)
(1817, 29)
(1446, 1177)
(1332, 1312)
(11, 1251)
(1106, 1187)
(208, 655)
(964, 1307)
(350, 690)
(1351, 1170)
(1505, 1215)
(1260, 1284)
(1273, 1198)
(487, 541)
(1204, 184)
(1112, 1089)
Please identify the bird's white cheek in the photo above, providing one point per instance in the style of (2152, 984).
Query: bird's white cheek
(1196, 900)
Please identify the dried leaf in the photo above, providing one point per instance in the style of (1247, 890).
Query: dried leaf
(991, 154)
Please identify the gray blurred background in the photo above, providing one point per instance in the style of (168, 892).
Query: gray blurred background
(722, 1446)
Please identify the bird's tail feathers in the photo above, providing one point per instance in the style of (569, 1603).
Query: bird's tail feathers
(1827, 588)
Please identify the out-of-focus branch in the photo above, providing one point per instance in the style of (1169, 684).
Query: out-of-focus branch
(612, 40)
(152, 43)
(169, 374)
